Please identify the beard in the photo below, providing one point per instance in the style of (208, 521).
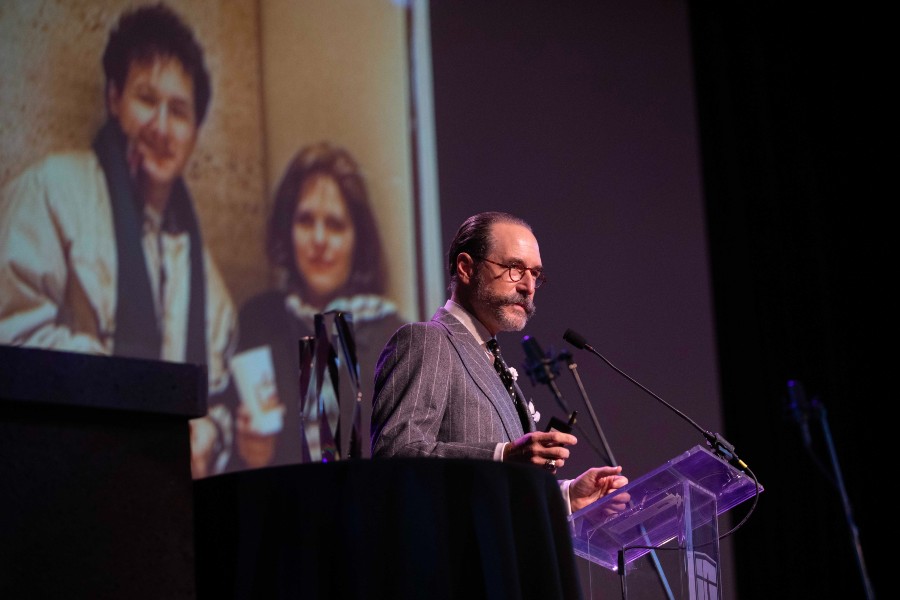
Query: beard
(495, 305)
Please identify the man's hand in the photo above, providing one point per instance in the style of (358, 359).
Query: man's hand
(540, 448)
(595, 483)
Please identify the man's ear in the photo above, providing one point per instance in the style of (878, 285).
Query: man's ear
(465, 267)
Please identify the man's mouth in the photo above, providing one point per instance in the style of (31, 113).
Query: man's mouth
(155, 147)
(158, 153)
(525, 307)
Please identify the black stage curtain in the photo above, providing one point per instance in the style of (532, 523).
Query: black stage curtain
(792, 104)
(400, 528)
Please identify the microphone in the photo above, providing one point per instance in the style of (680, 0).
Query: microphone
(537, 365)
(799, 406)
(720, 445)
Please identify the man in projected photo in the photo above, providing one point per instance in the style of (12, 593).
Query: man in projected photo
(101, 251)
(324, 242)
(442, 388)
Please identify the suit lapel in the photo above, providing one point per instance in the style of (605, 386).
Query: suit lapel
(482, 372)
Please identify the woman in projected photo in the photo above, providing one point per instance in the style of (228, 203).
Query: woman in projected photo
(323, 240)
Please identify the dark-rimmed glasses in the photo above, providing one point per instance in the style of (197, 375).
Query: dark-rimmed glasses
(517, 272)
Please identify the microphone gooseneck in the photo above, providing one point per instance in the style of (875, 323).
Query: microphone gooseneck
(719, 444)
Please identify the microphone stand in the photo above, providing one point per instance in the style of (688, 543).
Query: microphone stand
(819, 410)
(544, 373)
(573, 368)
(800, 408)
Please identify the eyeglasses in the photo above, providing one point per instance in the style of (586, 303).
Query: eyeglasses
(517, 272)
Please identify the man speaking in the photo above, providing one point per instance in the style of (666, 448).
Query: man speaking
(442, 388)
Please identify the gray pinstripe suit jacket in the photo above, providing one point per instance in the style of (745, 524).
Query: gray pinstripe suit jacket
(437, 394)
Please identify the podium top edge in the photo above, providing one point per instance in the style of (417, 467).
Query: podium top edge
(53, 377)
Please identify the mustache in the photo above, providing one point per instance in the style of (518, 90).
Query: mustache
(523, 301)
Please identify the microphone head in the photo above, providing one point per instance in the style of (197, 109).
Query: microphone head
(532, 349)
(538, 365)
(576, 339)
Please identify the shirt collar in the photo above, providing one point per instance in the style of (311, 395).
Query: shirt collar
(479, 331)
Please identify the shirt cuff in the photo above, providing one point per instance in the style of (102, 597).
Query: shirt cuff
(564, 488)
(498, 451)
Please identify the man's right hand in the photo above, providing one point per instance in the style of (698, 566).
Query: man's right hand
(540, 448)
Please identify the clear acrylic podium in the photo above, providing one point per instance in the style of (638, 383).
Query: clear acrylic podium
(672, 511)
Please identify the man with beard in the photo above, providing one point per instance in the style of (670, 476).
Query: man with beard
(441, 386)
(101, 250)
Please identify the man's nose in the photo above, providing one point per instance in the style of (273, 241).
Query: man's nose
(527, 284)
(160, 120)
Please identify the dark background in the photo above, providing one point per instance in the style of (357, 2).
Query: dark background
(790, 115)
(703, 181)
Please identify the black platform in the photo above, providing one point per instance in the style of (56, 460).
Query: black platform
(398, 529)
(95, 479)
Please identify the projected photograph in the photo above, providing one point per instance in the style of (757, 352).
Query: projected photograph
(196, 182)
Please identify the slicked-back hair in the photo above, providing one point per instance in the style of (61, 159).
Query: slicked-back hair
(150, 32)
(367, 273)
(474, 238)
